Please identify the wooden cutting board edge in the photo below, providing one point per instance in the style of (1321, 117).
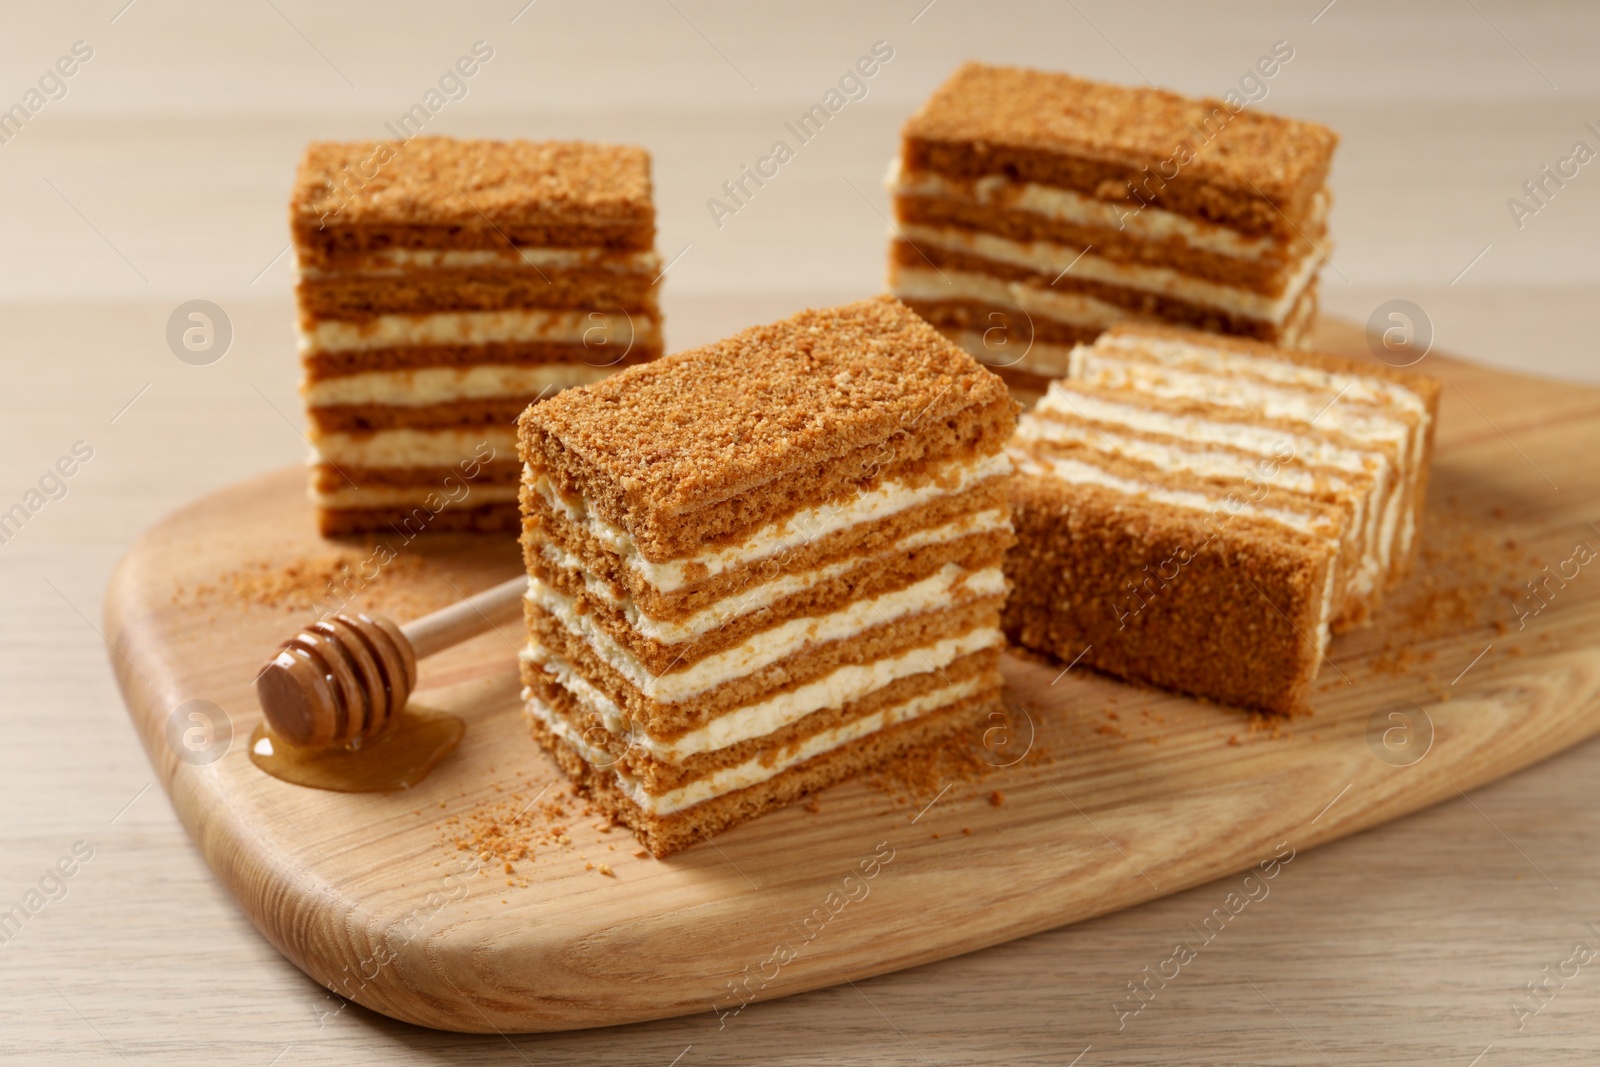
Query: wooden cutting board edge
(1546, 704)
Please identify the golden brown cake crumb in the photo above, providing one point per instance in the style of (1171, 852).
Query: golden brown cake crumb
(1202, 513)
(1275, 157)
(443, 286)
(703, 426)
(806, 582)
(1034, 210)
(434, 181)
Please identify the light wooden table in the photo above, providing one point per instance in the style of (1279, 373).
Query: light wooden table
(161, 176)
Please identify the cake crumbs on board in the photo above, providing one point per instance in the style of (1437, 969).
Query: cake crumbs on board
(1464, 578)
(365, 577)
(921, 774)
(513, 828)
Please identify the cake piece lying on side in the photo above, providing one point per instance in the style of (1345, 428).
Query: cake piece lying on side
(761, 566)
(1035, 210)
(444, 286)
(1203, 512)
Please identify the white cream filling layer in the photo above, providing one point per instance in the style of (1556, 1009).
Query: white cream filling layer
(1242, 435)
(804, 527)
(601, 332)
(939, 590)
(1208, 463)
(1078, 472)
(757, 769)
(1241, 471)
(1324, 632)
(1378, 509)
(930, 284)
(1363, 422)
(1344, 388)
(1039, 358)
(843, 686)
(1296, 329)
(1053, 260)
(441, 385)
(996, 346)
(1065, 205)
(382, 496)
(1073, 309)
(464, 258)
(764, 592)
(414, 448)
(1364, 389)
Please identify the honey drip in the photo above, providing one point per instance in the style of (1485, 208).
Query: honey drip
(396, 759)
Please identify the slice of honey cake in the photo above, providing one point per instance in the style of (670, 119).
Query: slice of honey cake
(444, 285)
(1036, 209)
(1202, 513)
(763, 565)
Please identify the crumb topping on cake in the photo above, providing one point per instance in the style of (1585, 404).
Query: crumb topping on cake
(1055, 112)
(443, 180)
(697, 427)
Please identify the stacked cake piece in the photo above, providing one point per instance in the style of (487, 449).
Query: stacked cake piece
(1202, 512)
(1035, 210)
(763, 565)
(443, 287)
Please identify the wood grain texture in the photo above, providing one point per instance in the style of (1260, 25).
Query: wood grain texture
(341, 884)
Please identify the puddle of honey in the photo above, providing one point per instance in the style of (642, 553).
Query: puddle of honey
(397, 759)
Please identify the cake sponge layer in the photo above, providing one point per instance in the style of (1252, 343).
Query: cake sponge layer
(1203, 157)
(360, 295)
(439, 192)
(709, 444)
(666, 834)
(1147, 592)
(659, 776)
(410, 520)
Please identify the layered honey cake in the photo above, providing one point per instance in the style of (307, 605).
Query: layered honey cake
(444, 285)
(763, 565)
(1036, 209)
(1202, 513)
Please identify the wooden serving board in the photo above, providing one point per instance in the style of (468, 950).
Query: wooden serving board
(1110, 794)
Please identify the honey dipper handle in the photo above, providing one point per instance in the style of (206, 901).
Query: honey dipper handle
(475, 615)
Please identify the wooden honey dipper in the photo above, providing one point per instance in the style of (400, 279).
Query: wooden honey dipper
(346, 677)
